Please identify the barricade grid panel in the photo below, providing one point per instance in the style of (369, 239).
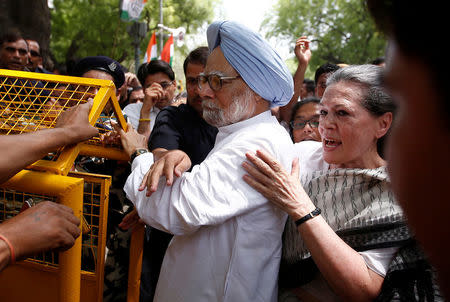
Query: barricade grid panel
(11, 203)
(26, 106)
(91, 214)
(31, 101)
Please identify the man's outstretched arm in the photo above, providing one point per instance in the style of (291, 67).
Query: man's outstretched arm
(21, 150)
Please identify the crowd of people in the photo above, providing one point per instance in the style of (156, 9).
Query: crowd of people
(263, 185)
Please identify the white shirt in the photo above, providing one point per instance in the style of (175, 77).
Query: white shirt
(227, 243)
(133, 113)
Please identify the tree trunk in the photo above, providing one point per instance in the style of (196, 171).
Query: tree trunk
(32, 19)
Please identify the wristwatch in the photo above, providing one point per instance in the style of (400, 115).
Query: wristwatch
(138, 152)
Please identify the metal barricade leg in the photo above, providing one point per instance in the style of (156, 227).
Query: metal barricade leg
(134, 271)
(70, 260)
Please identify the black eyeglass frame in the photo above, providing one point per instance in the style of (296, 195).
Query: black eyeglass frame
(309, 122)
(34, 53)
(203, 78)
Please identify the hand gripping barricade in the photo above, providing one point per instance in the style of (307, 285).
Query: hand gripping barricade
(31, 102)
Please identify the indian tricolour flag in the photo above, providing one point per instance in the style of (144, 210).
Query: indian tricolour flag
(167, 52)
(151, 53)
(131, 9)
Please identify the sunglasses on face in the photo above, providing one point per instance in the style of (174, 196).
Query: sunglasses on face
(34, 53)
(215, 81)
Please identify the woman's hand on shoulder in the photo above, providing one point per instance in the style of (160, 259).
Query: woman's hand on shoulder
(267, 176)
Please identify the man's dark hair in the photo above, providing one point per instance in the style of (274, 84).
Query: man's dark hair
(325, 68)
(197, 56)
(310, 85)
(153, 67)
(12, 35)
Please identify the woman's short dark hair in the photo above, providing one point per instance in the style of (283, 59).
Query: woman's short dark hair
(154, 66)
(299, 105)
(303, 102)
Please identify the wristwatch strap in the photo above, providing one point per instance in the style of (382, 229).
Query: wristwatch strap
(314, 213)
(138, 152)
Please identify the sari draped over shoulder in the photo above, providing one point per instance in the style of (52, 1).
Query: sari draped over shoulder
(359, 206)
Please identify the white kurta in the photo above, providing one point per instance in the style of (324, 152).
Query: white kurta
(227, 243)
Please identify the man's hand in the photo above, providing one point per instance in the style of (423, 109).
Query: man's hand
(131, 140)
(75, 120)
(130, 220)
(302, 51)
(46, 226)
(173, 162)
(152, 94)
(131, 80)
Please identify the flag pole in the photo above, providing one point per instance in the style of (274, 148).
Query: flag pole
(161, 32)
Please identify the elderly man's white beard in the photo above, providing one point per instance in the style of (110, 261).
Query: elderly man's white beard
(241, 108)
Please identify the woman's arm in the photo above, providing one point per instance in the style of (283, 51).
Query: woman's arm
(342, 267)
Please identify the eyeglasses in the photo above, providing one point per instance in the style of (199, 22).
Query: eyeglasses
(22, 51)
(313, 123)
(215, 81)
(34, 53)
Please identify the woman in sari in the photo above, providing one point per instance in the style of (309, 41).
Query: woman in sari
(345, 234)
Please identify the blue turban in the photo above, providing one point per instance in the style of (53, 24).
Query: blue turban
(254, 59)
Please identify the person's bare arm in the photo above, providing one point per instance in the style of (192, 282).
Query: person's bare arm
(22, 150)
(46, 226)
(152, 95)
(303, 54)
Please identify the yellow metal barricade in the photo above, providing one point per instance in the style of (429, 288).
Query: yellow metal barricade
(31, 102)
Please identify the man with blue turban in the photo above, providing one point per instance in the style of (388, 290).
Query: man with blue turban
(227, 242)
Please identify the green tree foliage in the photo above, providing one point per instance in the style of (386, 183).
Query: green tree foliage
(93, 27)
(341, 31)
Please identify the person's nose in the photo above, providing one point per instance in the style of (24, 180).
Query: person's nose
(205, 91)
(327, 122)
(307, 128)
(196, 89)
(16, 54)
